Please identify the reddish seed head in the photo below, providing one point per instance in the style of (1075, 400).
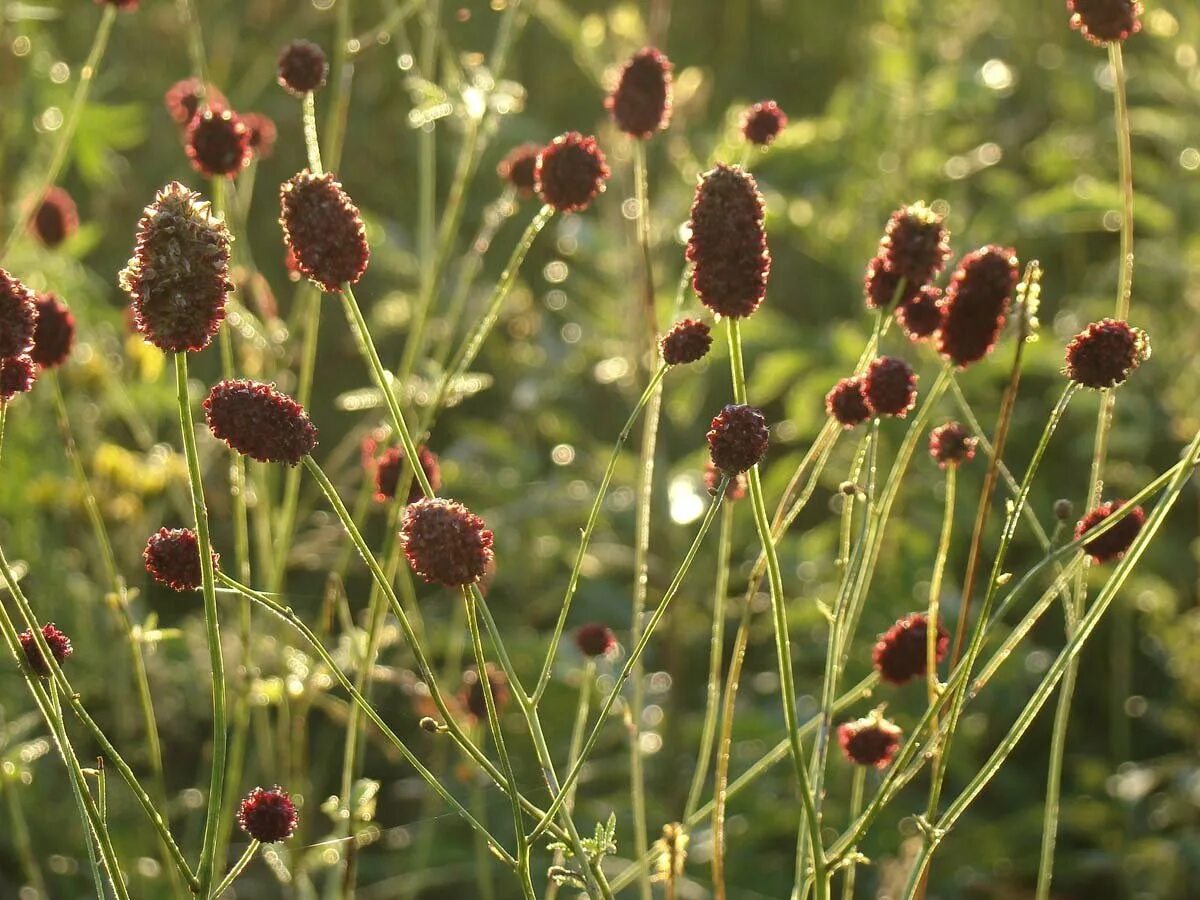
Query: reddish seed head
(1105, 353)
(915, 244)
(445, 542)
(975, 304)
(471, 696)
(54, 333)
(641, 102)
(738, 438)
(595, 639)
(323, 229)
(178, 278)
(1113, 543)
(762, 122)
(218, 143)
(60, 646)
(847, 403)
(260, 422)
(921, 315)
(18, 316)
(900, 652)
(870, 741)
(734, 491)
(890, 387)
(268, 816)
(687, 341)
(951, 445)
(880, 286)
(391, 464)
(17, 375)
(56, 218)
(570, 172)
(1105, 21)
(302, 67)
(518, 168)
(172, 558)
(261, 133)
(728, 243)
(182, 100)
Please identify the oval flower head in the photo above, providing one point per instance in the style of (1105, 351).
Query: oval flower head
(869, 741)
(260, 422)
(56, 218)
(1105, 21)
(570, 172)
(915, 244)
(172, 557)
(641, 102)
(268, 815)
(727, 245)
(323, 230)
(762, 122)
(738, 439)
(1105, 353)
(55, 332)
(900, 653)
(445, 542)
(59, 643)
(976, 303)
(18, 316)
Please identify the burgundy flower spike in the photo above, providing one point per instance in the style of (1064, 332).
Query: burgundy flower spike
(323, 230)
(56, 218)
(54, 334)
(915, 244)
(182, 100)
(641, 102)
(847, 403)
(890, 387)
(172, 558)
(1113, 543)
(900, 652)
(728, 243)
(17, 375)
(1105, 21)
(1105, 353)
(302, 67)
(687, 341)
(951, 445)
(571, 170)
(595, 639)
(738, 439)
(218, 143)
(391, 464)
(260, 422)
(60, 647)
(869, 741)
(268, 815)
(445, 542)
(762, 122)
(976, 303)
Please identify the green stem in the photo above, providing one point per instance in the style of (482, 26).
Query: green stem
(20, 831)
(343, 76)
(238, 868)
(857, 788)
(312, 145)
(587, 684)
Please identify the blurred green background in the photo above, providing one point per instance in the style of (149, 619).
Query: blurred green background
(999, 113)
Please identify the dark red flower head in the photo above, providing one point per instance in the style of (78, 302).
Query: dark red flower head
(570, 172)
(687, 341)
(728, 243)
(882, 288)
(1113, 543)
(261, 133)
(17, 375)
(391, 464)
(921, 314)
(976, 303)
(445, 542)
(641, 102)
(738, 438)
(471, 695)
(56, 218)
(1105, 21)
(595, 639)
(951, 444)
(260, 422)
(734, 491)
(126, 5)
(59, 643)
(762, 122)
(323, 229)
(18, 316)
(178, 277)
(268, 816)
(518, 168)
(172, 558)
(847, 403)
(218, 143)
(900, 652)
(54, 334)
(1105, 353)
(870, 741)
(915, 244)
(302, 67)
(182, 100)
(890, 387)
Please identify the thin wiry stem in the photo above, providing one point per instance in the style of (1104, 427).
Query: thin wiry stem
(587, 684)
(238, 868)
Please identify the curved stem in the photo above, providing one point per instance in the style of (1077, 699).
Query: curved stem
(587, 684)
(238, 868)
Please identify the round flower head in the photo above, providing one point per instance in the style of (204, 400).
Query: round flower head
(260, 422)
(728, 244)
(260, 133)
(847, 403)
(1105, 353)
(881, 284)
(54, 334)
(445, 542)
(56, 218)
(869, 741)
(1105, 21)
(890, 387)
(182, 100)
(18, 316)
(323, 230)
(738, 438)
(762, 122)
(951, 445)
(178, 277)
(900, 652)
(218, 143)
(302, 67)
(976, 303)
(1113, 543)
(471, 696)
(17, 374)
(734, 491)
(595, 639)
(268, 816)
(915, 244)
(570, 172)
(641, 102)
(391, 464)
(59, 643)
(687, 341)
(518, 168)
(172, 558)
(921, 314)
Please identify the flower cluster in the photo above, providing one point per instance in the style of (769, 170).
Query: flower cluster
(727, 243)
(762, 122)
(738, 438)
(258, 421)
(1105, 21)
(1105, 353)
(641, 102)
(172, 558)
(687, 341)
(889, 386)
(951, 445)
(445, 542)
(55, 219)
(471, 695)
(323, 230)
(900, 654)
(570, 172)
(595, 639)
(1113, 543)
(390, 465)
(54, 334)
(18, 327)
(59, 643)
(268, 815)
(302, 68)
(218, 143)
(846, 402)
(976, 303)
(869, 741)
